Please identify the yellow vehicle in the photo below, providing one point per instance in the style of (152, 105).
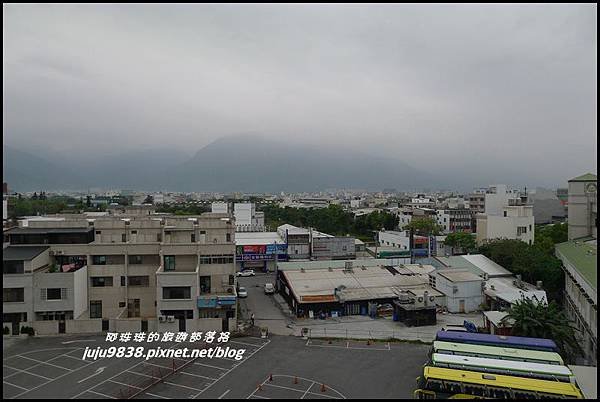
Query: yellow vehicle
(443, 383)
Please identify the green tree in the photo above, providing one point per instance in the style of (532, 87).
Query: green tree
(461, 240)
(424, 226)
(538, 320)
(530, 261)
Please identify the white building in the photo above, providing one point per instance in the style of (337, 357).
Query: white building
(583, 207)
(219, 208)
(463, 289)
(507, 216)
(247, 219)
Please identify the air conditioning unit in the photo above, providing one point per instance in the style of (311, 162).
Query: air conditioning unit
(170, 318)
(162, 318)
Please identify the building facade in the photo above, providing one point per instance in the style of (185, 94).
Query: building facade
(142, 272)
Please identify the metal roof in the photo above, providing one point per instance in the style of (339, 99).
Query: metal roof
(22, 253)
(28, 230)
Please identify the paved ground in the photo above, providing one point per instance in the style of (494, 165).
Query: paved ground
(266, 311)
(52, 368)
(272, 311)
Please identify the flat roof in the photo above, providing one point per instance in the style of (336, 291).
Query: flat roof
(257, 238)
(362, 283)
(505, 289)
(476, 263)
(22, 253)
(459, 275)
(495, 317)
(29, 230)
(583, 257)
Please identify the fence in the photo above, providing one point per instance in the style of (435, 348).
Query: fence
(342, 333)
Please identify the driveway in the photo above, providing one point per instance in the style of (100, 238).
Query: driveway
(266, 311)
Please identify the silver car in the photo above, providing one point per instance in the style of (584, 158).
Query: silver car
(242, 293)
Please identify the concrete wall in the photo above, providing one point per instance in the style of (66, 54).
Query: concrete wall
(470, 292)
(582, 211)
(80, 292)
(24, 281)
(47, 280)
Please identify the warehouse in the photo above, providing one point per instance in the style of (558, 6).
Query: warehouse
(319, 289)
(259, 250)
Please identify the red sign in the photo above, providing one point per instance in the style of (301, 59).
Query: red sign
(255, 249)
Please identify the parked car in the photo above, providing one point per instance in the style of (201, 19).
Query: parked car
(247, 272)
(385, 310)
(242, 292)
(269, 289)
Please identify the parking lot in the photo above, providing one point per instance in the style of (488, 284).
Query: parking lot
(279, 367)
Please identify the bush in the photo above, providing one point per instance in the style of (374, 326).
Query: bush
(6, 331)
(27, 330)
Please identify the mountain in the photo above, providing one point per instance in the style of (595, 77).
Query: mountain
(235, 163)
(256, 164)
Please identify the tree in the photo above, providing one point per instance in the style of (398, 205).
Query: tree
(529, 261)
(464, 241)
(538, 320)
(424, 226)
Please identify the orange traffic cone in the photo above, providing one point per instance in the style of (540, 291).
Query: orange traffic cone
(323, 388)
(295, 380)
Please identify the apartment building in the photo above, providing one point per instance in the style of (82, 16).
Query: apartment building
(508, 215)
(141, 271)
(247, 219)
(579, 258)
(455, 220)
(476, 201)
(305, 244)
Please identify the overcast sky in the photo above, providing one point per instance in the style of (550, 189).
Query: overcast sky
(477, 88)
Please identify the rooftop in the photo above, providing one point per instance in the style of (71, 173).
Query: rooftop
(459, 275)
(257, 238)
(476, 263)
(28, 230)
(22, 253)
(583, 257)
(585, 177)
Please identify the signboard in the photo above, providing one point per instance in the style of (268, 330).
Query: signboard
(254, 249)
(276, 248)
(432, 245)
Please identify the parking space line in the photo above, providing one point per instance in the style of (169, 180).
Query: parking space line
(140, 374)
(208, 365)
(224, 393)
(126, 385)
(258, 396)
(182, 386)
(73, 357)
(232, 368)
(35, 365)
(41, 362)
(157, 365)
(245, 343)
(307, 389)
(101, 394)
(24, 371)
(198, 375)
(14, 385)
(157, 396)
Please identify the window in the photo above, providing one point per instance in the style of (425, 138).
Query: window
(95, 308)
(193, 237)
(521, 230)
(13, 267)
(98, 232)
(505, 213)
(205, 284)
(99, 259)
(135, 259)
(134, 232)
(101, 281)
(216, 259)
(179, 292)
(158, 237)
(13, 295)
(55, 293)
(169, 263)
(124, 238)
(203, 232)
(122, 281)
(142, 281)
(228, 237)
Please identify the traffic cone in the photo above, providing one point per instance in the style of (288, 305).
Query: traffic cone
(323, 388)
(270, 377)
(295, 380)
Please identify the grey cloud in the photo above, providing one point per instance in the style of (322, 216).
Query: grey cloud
(497, 89)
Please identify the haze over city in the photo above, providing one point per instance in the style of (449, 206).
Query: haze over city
(485, 93)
